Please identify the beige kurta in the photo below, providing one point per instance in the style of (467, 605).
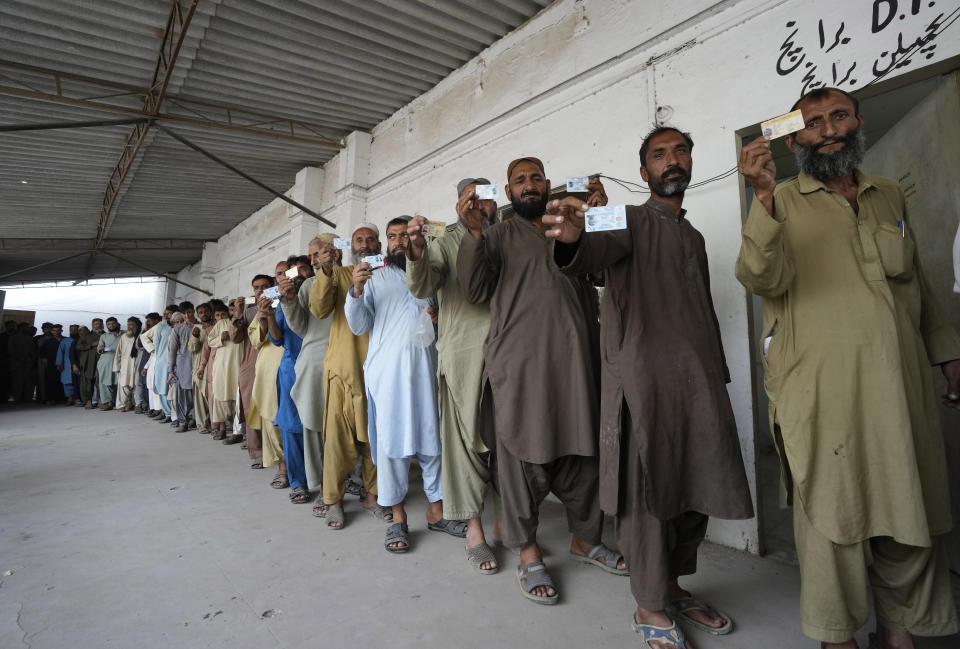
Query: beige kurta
(854, 329)
(125, 362)
(226, 364)
(345, 352)
(263, 400)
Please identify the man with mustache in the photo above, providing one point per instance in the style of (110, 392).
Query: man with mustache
(224, 368)
(125, 365)
(345, 412)
(263, 399)
(180, 367)
(155, 341)
(106, 379)
(142, 394)
(87, 357)
(198, 335)
(850, 330)
(669, 451)
(543, 341)
(401, 387)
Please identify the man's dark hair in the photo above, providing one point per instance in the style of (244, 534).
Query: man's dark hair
(186, 304)
(173, 308)
(135, 320)
(645, 146)
(112, 319)
(400, 220)
(266, 277)
(293, 260)
(215, 302)
(221, 308)
(823, 93)
(204, 304)
(153, 315)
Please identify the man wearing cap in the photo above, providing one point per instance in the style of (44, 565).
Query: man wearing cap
(106, 379)
(180, 372)
(125, 365)
(400, 373)
(468, 467)
(345, 409)
(543, 341)
(87, 357)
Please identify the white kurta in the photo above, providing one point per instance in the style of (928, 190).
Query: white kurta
(401, 378)
(124, 364)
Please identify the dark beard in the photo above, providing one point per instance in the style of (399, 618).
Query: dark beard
(824, 166)
(530, 209)
(673, 187)
(398, 259)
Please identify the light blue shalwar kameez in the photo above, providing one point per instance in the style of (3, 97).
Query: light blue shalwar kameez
(160, 368)
(401, 383)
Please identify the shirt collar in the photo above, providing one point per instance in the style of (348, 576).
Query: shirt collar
(664, 210)
(808, 184)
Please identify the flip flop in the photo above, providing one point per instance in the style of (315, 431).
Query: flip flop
(648, 632)
(397, 533)
(533, 574)
(481, 554)
(453, 528)
(678, 609)
(602, 557)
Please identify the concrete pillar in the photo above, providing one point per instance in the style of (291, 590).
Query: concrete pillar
(307, 190)
(351, 193)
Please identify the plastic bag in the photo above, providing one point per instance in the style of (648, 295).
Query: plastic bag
(423, 335)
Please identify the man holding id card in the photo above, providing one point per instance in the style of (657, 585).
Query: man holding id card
(542, 343)
(850, 330)
(669, 451)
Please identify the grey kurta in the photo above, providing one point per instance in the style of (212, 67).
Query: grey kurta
(307, 390)
(540, 356)
(179, 356)
(662, 353)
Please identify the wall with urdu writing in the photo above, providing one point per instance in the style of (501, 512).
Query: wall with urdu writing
(582, 82)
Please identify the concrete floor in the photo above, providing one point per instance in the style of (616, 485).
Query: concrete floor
(117, 532)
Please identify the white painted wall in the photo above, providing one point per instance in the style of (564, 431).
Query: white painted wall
(578, 86)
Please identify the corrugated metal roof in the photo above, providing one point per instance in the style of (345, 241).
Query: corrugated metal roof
(326, 67)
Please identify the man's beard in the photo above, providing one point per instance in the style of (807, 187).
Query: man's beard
(824, 166)
(530, 208)
(398, 258)
(205, 320)
(359, 253)
(676, 186)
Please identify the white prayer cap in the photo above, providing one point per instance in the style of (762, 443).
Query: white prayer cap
(368, 226)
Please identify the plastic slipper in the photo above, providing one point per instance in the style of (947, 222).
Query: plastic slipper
(335, 517)
(379, 512)
(453, 528)
(280, 481)
(320, 508)
(481, 554)
(533, 574)
(602, 557)
(648, 632)
(397, 533)
(300, 496)
(678, 610)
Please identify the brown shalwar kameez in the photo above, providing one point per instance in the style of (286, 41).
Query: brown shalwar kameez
(248, 371)
(540, 376)
(664, 365)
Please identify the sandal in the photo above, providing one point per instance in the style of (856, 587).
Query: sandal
(280, 481)
(257, 465)
(320, 508)
(481, 554)
(300, 496)
(354, 488)
(533, 574)
(453, 528)
(379, 512)
(397, 533)
(679, 607)
(648, 632)
(335, 517)
(601, 557)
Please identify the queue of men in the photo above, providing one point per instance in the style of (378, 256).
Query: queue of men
(482, 355)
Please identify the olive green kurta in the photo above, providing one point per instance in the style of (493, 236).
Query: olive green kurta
(662, 355)
(263, 400)
(854, 330)
(462, 328)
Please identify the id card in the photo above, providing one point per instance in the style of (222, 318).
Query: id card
(375, 261)
(608, 217)
(249, 300)
(488, 192)
(341, 243)
(433, 229)
(292, 272)
(782, 125)
(577, 185)
(272, 293)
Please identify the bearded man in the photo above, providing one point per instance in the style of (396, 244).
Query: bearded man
(850, 330)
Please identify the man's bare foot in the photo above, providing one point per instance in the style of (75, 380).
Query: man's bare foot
(332, 522)
(894, 638)
(400, 516)
(709, 618)
(580, 547)
(531, 554)
(434, 512)
(475, 537)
